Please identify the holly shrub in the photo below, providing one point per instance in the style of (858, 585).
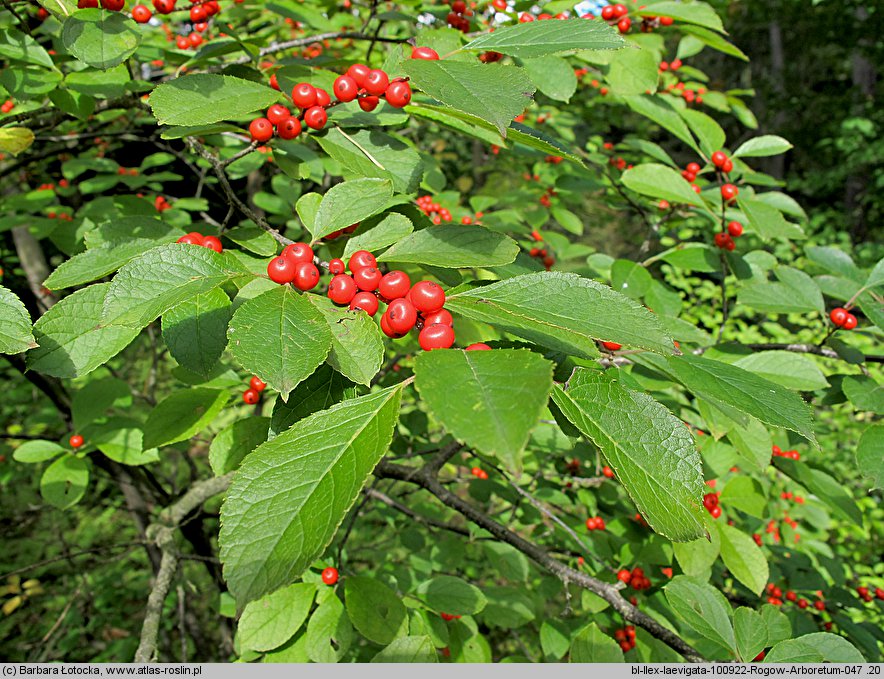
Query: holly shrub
(421, 331)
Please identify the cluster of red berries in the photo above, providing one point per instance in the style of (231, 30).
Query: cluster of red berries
(595, 523)
(541, 253)
(789, 495)
(252, 395)
(617, 15)
(626, 638)
(161, 204)
(635, 579)
(76, 441)
(458, 17)
(842, 318)
(111, 5)
(341, 232)
(673, 65)
(725, 239)
(432, 209)
(295, 266)
(478, 472)
(195, 238)
(330, 575)
(710, 502)
(131, 172)
(63, 216)
(776, 451)
(866, 595)
(679, 89)
(775, 597)
(7, 106)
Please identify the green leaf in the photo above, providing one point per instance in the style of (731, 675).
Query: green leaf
(544, 38)
(375, 610)
(665, 115)
(392, 228)
(553, 76)
(824, 486)
(705, 129)
(473, 394)
(452, 595)
(357, 348)
(650, 450)
(454, 246)
(660, 181)
(275, 618)
(703, 608)
(778, 625)
(796, 292)
(745, 493)
(100, 39)
(630, 278)
(236, 441)
(73, 342)
(204, 98)
(791, 370)
(767, 221)
(567, 220)
(417, 649)
(329, 632)
(751, 633)
(321, 390)
(864, 393)
(292, 493)
(163, 278)
(698, 13)
(591, 645)
(713, 40)
(869, 454)
(492, 92)
(96, 398)
(280, 337)
(697, 556)
(735, 391)
(32, 452)
(765, 145)
(181, 415)
(350, 202)
(97, 262)
(876, 275)
(815, 648)
(373, 153)
(121, 439)
(64, 482)
(692, 257)
(14, 140)
(18, 46)
(632, 71)
(562, 311)
(195, 331)
(743, 558)
(15, 324)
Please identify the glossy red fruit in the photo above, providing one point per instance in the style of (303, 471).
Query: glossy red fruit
(819, 604)
(367, 278)
(376, 82)
(727, 166)
(427, 297)
(607, 472)
(251, 396)
(277, 113)
(612, 346)
(849, 322)
(608, 12)
(624, 25)
(141, 14)
(838, 315)
(398, 94)
(257, 383)
(358, 73)
(715, 512)
(478, 346)
(345, 88)
(213, 243)
(163, 6)
(192, 238)
(394, 285)
(729, 192)
(693, 167)
(182, 43)
(437, 336)
(304, 95)
(336, 266)
(365, 301)
(198, 13)
(369, 104)
(76, 441)
(719, 158)
(261, 129)
(86, 4)
(735, 229)
(387, 330)
(282, 270)
(289, 128)
(298, 252)
(401, 316)
(306, 276)
(361, 259)
(330, 575)
(426, 53)
(802, 603)
(113, 5)
(442, 316)
(195, 39)
(620, 10)
(322, 97)
(342, 289)
(623, 575)
(315, 117)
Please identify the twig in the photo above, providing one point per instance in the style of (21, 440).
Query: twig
(151, 627)
(182, 631)
(409, 512)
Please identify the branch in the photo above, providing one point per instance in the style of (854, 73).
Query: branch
(409, 512)
(147, 647)
(606, 591)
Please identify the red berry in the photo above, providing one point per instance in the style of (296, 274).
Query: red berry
(277, 113)
(362, 259)
(76, 441)
(365, 301)
(163, 6)
(426, 53)
(791, 596)
(819, 604)
(398, 94)
(198, 13)
(437, 336)
(367, 278)
(620, 10)
(192, 238)
(802, 603)
(298, 252)
(624, 25)
(727, 166)
(261, 129)
(879, 593)
(195, 39)
(376, 82)
(427, 297)
(322, 98)
(368, 104)
(213, 243)
(289, 128)
(401, 316)
(607, 472)
(336, 266)
(394, 285)
(441, 316)
(345, 88)
(612, 346)
(306, 276)
(838, 315)
(735, 229)
(693, 167)
(257, 383)
(304, 95)
(608, 12)
(849, 322)
(141, 14)
(358, 73)
(623, 575)
(86, 4)
(330, 575)
(182, 43)
(113, 5)
(282, 270)
(715, 512)
(719, 158)
(729, 192)
(478, 346)
(387, 330)
(342, 289)
(251, 396)
(315, 117)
